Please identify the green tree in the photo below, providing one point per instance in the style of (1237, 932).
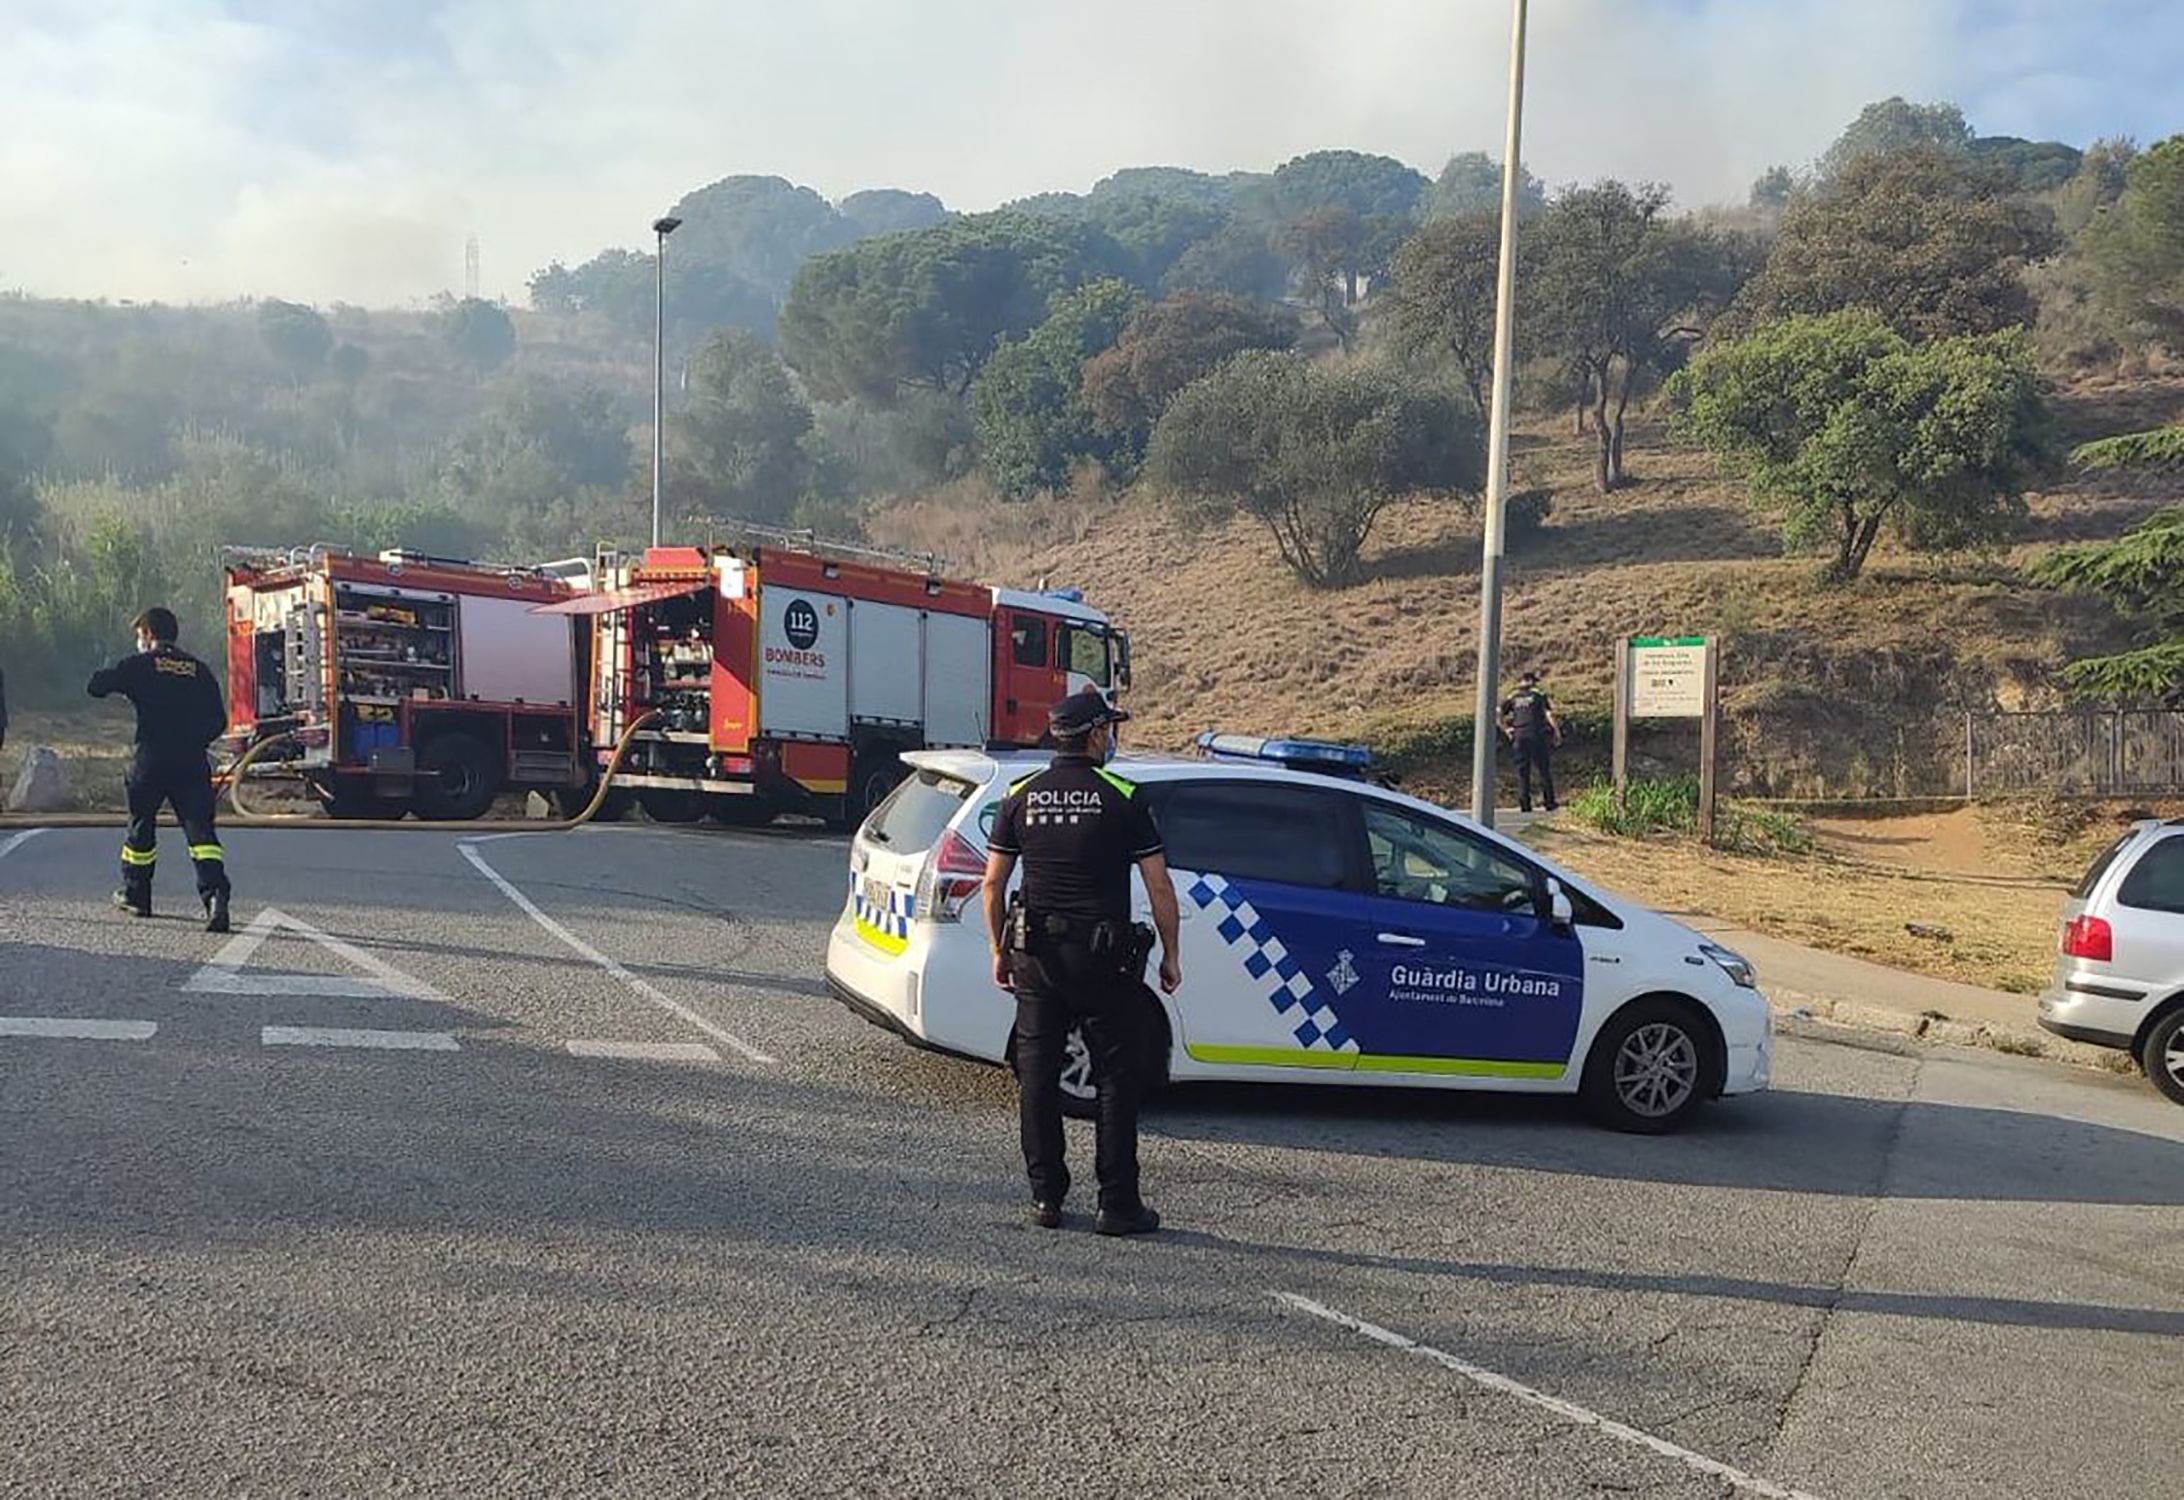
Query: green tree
(481, 333)
(1773, 189)
(1326, 245)
(737, 446)
(2030, 166)
(1472, 183)
(757, 229)
(1378, 195)
(2142, 575)
(888, 211)
(2135, 249)
(1936, 245)
(349, 364)
(2103, 173)
(1893, 125)
(1618, 291)
(1446, 278)
(1165, 346)
(1845, 426)
(536, 442)
(1237, 260)
(925, 309)
(1027, 405)
(294, 335)
(1315, 454)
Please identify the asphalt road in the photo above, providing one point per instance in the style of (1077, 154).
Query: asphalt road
(738, 1242)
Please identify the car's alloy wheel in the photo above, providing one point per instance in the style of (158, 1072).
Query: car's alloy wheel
(1656, 1070)
(1078, 1089)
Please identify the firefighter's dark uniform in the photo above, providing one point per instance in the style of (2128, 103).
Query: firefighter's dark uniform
(1079, 829)
(179, 713)
(1526, 710)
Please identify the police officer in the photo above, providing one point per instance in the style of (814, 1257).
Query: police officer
(1068, 952)
(179, 713)
(1528, 718)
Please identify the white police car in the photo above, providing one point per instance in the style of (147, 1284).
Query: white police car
(1333, 932)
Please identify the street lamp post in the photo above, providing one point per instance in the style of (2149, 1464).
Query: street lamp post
(661, 229)
(1483, 728)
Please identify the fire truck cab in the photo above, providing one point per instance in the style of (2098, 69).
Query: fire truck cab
(793, 677)
(410, 683)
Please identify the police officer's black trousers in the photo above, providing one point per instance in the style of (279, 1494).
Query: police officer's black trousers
(1532, 755)
(1062, 988)
(180, 779)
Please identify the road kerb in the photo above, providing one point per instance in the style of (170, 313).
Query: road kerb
(1945, 1031)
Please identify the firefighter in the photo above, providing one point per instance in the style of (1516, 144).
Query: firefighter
(1069, 952)
(1528, 718)
(179, 713)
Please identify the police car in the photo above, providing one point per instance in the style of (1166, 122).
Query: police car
(1333, 931)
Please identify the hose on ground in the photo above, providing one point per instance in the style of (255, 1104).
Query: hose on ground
(232, 779)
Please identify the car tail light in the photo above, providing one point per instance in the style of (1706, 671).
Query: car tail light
(954, 871)
(2089, 937)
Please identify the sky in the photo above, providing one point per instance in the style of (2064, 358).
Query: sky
(343, 150)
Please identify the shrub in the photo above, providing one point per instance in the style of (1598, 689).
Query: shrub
(1645, 808)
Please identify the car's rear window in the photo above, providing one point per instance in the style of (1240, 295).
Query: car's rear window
(2100, 866)
(914, 813)
(2156, 882)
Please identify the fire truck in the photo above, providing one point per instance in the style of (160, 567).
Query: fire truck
(409, 683)
(790, 676)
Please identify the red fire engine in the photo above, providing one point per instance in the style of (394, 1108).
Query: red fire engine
(410, 683)
(791, 676)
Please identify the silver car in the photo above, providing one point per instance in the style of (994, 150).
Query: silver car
(2119, 981)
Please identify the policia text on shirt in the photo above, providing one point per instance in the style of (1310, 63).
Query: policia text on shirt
(1068, 952)
(179, 713)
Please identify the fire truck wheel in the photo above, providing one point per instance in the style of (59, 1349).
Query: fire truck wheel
(877, 772)
(663, 805)
(461, 780)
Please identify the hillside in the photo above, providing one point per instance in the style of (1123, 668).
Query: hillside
(1857, 690)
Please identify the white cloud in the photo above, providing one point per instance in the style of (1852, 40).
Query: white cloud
(166, 148)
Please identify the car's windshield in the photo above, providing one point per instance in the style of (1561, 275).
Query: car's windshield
(914, 813)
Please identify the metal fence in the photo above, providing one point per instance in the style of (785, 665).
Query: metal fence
(2106, 753)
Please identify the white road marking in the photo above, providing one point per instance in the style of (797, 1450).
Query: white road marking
(335, 1036)
(16, 842)
(688, 1052)
(578, 946)
(225, 976)
(68, 1026)
(1569, 1411)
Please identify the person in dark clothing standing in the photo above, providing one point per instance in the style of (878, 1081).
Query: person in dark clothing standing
(179, 713)
(1528, 718)
(1067, 950)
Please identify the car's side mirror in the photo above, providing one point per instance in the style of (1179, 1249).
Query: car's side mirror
(1559, 911)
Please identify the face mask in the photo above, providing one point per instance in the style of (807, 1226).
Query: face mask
(145, 647)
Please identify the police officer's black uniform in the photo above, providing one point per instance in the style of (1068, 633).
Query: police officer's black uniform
(1526, 711)
(179, 713)
(1079, 829)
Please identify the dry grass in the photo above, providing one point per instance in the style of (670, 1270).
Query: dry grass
(2002, 937)
(1225, 636)
(94, 740)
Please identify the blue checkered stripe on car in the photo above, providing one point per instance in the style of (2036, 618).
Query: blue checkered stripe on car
(893, 919)
(1288, 988)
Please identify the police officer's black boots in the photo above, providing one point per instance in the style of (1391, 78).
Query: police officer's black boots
(1139, 1220)
(135, 900)
(216, 912)
(1046, 1215)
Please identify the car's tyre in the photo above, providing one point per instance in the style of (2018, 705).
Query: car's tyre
(2161, 1054)
(665, 805)
(1650, 1068)
(458, 780)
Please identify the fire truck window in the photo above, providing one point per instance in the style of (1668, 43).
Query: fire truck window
(1084, 651)
(1028, 642)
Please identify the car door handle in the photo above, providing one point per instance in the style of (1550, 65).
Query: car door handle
(1402, 940)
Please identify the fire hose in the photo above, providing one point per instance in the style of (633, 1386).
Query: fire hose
(232, 780)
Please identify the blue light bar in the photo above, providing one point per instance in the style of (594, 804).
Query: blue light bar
(1071, 596)
(1303, 755)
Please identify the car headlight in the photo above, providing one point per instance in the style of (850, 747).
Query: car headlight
(1735, 965)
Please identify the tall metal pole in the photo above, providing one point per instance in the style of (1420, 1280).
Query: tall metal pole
(1483, 730)
(661, 229)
